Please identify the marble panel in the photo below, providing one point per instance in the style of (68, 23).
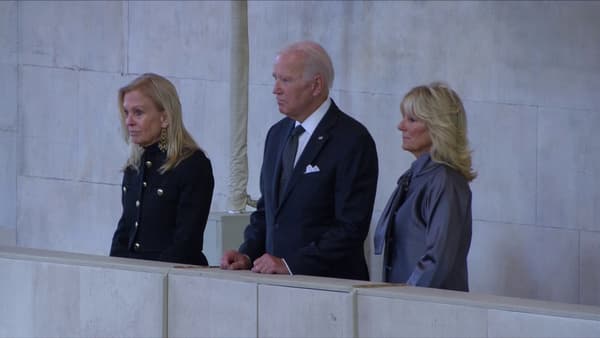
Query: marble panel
(207, 117)
(365, 56)
(524, 261)
(389, 48)
(44, 299)
(8, 181)
(193, 37)
(389, 317)
(72, 34)
(29, 290)
(589, 268)
(471, 55)
(569, 162)
(503, 140)
(101, 150)
(67, 216)
(516, 324)
(49, 122)
(545, 53)
(518, 52)
(264, 41)
(200, 306)
(300, 312)
(8, 236)
(122, 303)
(8, 32)
(8, 94)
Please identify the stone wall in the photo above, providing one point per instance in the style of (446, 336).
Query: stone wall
(527, 71)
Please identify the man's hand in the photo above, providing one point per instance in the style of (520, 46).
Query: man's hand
(270, 264)
(233, 260)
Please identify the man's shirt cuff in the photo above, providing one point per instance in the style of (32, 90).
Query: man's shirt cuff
(287, 266)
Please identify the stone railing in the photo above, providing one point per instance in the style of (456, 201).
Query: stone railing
(56, 294)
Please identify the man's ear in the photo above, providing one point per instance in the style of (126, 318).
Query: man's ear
(317, 85)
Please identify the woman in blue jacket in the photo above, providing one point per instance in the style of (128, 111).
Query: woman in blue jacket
(426, 224)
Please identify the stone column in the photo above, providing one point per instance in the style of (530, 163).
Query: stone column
(238, 172)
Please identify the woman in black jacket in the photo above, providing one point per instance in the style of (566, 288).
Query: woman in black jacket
(167, 182)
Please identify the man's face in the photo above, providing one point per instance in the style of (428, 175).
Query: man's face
(293, 92)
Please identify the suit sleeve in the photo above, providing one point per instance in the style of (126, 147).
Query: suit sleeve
(445, 215)
(354, 194)
(197, 184)
(255, 233)
(120, 238)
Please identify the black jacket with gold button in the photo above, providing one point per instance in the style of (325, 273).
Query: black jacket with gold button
(164, 215)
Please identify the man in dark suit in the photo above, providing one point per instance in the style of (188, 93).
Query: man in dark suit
(317, 181)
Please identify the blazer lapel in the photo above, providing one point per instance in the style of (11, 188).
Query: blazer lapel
(317, 140)
(286, 131)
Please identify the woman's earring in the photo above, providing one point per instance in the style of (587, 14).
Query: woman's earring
(163, 143)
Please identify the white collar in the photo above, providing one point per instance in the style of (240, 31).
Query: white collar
(312, 121)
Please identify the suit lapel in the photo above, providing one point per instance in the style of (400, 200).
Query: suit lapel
(314, 146)
(282, 140)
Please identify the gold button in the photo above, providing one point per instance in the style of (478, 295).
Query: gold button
(136, 224)
(148, 164)
(145, 184)
(137, 204)
(124, 189)
(136, 246)
(159, 192)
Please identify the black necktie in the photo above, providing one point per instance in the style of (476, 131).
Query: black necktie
(287, 159)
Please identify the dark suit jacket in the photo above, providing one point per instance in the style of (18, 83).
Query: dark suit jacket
(324, 218)
(164, 215)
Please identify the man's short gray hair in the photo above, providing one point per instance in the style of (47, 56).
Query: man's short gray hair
(317, 61)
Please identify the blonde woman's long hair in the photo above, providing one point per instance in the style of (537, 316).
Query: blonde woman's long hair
(163, 94)
(444, 115)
